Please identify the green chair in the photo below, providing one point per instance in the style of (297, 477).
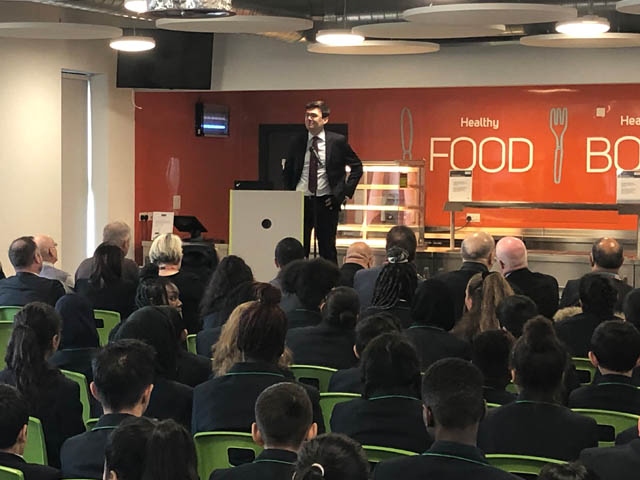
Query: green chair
(512, 388)
(377, 454)
(6, 327)
(7, 313)
(35, 451)
(7, 473)
(81, 380)
(109, 320)
(191, 343)
(314, 375)
(91, 423)
(493, 405)
(328, 400)
(585, 369)
(520, 464)
(212, 449)
(610, 423)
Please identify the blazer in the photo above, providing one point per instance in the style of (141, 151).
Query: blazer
(433, 343)
(57, 406)
(170, 399)
(26, 287)
(205, 339)
(271, 464)
(456, 281)
(323, 344)
(364, 281)
(537, 428)
(30, 471)
(576, 332)
(339, 154)
(608, 392)
(53, 273)
(82, 456)
(614, 463)
(119, 297)
(347, 272)
(383, 420)
(539, 287)
(401, 310)
(192, 369)
(571, 292)
(627, 435)
(443, 461)
(348, 380)
(227, 402)
(130, 270)
(500, 396)
(301, 317)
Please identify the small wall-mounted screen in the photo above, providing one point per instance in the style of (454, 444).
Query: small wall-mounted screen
(212, 120)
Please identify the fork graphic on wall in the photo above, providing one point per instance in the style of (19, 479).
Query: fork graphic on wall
(558, 121)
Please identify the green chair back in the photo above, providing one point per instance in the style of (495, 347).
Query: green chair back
(91, 423)
(314, 375)
(610, 423)
(35, 451)
(7, 473)
(493, 405)
(377, 454)
(6, 327)
(520, 464)
(512, 388)
(191, 343)
(110, 320)
(81, 380)
(328, 400)
(212, 449)
(585, 369)
(7, 313)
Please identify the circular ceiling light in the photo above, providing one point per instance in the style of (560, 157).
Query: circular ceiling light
(605, 40)
(138, 6)
(236, 24)
(584, 27)
(339, 37)
(631, 7)
(377, 47)
(133, 44)
(411, 30)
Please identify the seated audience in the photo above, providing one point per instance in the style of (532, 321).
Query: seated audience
(567, 471)
(26, 286)
(615, 463)
(330, 343)
(536, 424)
(230, 272)
(511, 254)
(166, 253)
(598, 299)
(491, 351)
(615, 350)
(227, 402)
(514, 311)
(389, 414)
(433, 316)
(359, 255)
(631, 310)
(349, 380)
(14, 417)
(118, 234)
(477, 253)
(200, 258)
(48, 249)
(49, 395)
(287, 250)
(606, 258)
(485, 291)
(331, 457)
(284, 419)
(453, 408)
(142, 449)
(107, 288)
(169, 399)
(123, 374)
(395, 286)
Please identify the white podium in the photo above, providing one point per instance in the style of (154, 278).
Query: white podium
(258, 220)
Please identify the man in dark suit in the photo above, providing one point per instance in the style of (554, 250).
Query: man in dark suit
(284, 419)
(122, 382)
(621, 462)
(453, 408)
(606, 258)
(511, 254)
(287, 250)
(477, 257)
(316, 165)
(14, 417)
(359, 255)
(26, 286)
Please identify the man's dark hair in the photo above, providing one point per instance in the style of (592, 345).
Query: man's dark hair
(514, 311)
(403, 237)
(452, 390)
(14, 414)
(631, 307)
(607, 257)
(287, 250)
(616, 344)
(490, 352)
(284, 414)
(22, 252)
(597, 295)
(315, 280)
(122, 370)
(324, 108)
(373, 325)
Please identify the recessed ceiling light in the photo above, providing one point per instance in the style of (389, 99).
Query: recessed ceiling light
(133, 44)
(138, 6)
(584, 27)
(339, 37)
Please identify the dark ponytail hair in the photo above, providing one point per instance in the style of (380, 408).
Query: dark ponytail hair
(331, 456)
(152, 288)
(341, 307)
(107, 265)
(34, 327)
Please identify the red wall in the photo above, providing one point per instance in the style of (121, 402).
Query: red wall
(208, 166)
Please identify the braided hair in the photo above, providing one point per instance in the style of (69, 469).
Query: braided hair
(398, 280)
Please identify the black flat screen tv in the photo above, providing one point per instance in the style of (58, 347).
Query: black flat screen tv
(180, 60)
